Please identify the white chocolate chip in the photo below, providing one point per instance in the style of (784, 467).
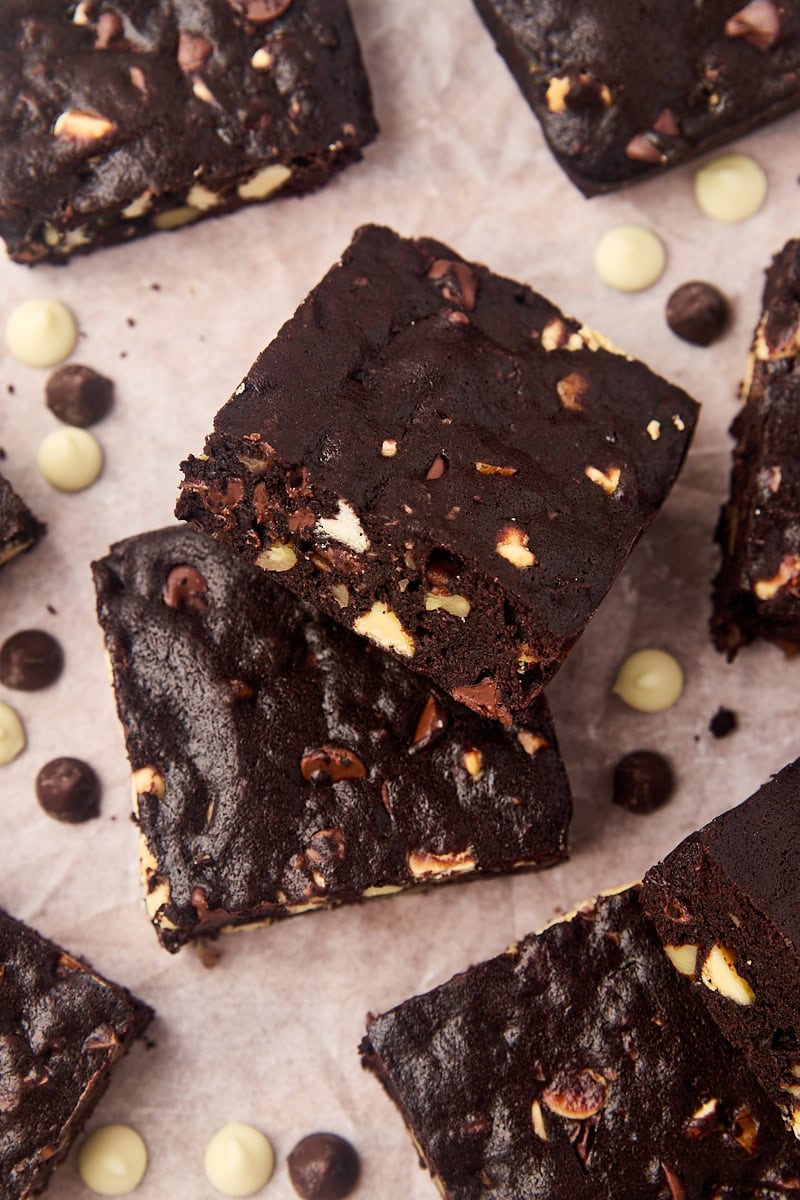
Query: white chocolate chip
(556, 95)
(607, 480)
(41, 333)
(630, 258)
(239, 1160)
(385, 889)
(261, 60)
(81, 14)
(473, 763)
(719, 974)
(457, 606)
(138, 207)
(173, 218)
(203, 92)
(202, 197)
(76, 126)
(531, 743)
(537, 1121)
(553, 334)
(113, 1160)
(512, 545)
(731, 187)
(423, 863)
(280, 556)
(147, 780)
(490, 469)
(683, 958)
(654, 430)
(264, 182)
(678, 423)
(12, 734)
(649, 681)
(383, 627)
(788, 573)
(389, 447)
(572, 391)
(70, 459)
(346, 528)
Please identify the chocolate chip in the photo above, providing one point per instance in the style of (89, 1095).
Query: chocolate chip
(331, 764)
(437, 468)
(78, 395)
(724, 722)
(323, 1167)
(29, 660)
(109, 28)
(430, 726)
(260, 10)
(457, 281)
(193, 51)
(68, 790)
(698, 313)
(643, 781)
(186, 588)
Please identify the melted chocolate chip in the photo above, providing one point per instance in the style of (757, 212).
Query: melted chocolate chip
(78, 395)
(323, 1167)
(68, 790)
(186, 588)
(430, 726)
(698, 313)
(29, 660)
(331, 764)
(724, 722)
(643, 781)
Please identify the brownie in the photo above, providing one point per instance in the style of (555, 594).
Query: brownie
(726, 902)
(19, 528)
(757, 590)
(62, 1028)
(280, 764)
(436, 457)
(625, 91)
(119, 120)
(578, 1065)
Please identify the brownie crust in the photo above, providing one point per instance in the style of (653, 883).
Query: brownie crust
(20, 530)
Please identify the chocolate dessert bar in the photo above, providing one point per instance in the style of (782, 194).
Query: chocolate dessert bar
(626, 91)
(579, 1065)
(19, 528)
(757, 591)
(442, 461)
(136, 117)
(726, 904)
(280, 764)
(62, 1028)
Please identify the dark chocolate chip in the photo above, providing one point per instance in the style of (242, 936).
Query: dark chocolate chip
(323, 1166)
(643, 781)
(457, 280)
(698, 313)
(68, 790)
(186, 588)
(78, 395)
(30, 659)
(723, 722)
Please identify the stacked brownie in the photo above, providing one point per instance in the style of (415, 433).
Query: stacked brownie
(20, 530)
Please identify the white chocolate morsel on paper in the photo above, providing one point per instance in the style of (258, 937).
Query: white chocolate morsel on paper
(239, 1160)
(12, 734)
(732, 187)
(70, 459)
(650, 681)
(113, 1160)
(630, 258)
(41, 333)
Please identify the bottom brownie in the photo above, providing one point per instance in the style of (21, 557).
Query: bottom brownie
(579, 1065)
(19, 528)
(62, 1027)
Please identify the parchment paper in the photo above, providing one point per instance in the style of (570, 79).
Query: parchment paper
(269, 1035)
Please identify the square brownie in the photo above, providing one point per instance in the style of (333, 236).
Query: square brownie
(625, 91)
(62, 1028)
(123, 119)
(19, 529)
(726, 903)
(757, 591)
(280, 764)
(439, 459)
(579, 1065)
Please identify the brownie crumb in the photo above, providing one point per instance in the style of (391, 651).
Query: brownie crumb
(723, 723)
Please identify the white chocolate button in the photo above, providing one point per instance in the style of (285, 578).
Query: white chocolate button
(70, 459)
(650, 681)
(12, 734)
(239, 1160)
(732, 187)
(41, 333)
(113, 1160)
(630, 258)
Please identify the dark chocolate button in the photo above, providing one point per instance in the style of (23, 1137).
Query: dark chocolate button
(723, 722)
(186, 588)
(78, 395)
(68, 790)
(643, 781)
(323, 1167)
(698, 313)
(30, 659)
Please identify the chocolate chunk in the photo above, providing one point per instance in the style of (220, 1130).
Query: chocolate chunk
(331, 764)
(77, 395)
(643, 781)
(30, 659)
(323, 1166)
(698, 313)
(69, 790)
(186, 588)
(724, 722)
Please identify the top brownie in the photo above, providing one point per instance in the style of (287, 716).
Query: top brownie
(624, 91)
(442, 461)
(116, 120)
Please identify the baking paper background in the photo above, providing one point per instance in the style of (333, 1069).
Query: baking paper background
(269, 1035)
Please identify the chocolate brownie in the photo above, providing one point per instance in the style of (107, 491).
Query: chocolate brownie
(578, 1065)
(625, 91)
(19, 528)
(280, 764)
(62, 1027)
(440, 460)
(757, 591)
(726, 903)
(119, 120)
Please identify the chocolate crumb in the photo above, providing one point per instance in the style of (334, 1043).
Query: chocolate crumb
(643, 781)
(723, 723)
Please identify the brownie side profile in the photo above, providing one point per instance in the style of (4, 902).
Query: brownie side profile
(280, 764)
(62, 1028)
(726, 904)
(578, 1065)
(757, 590)
(19, 528)
(626, 91)
(439, 459)
(115, 122)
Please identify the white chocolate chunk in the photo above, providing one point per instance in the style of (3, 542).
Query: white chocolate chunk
(512, 545)
(473, 763)
(264, 182)
(138, 207)
(341, 594)
(346, 528)
(457, 606)
(654, 430)
(424, 863)
(383, 627)
(173, 218)
(70, 459)
(556, 95)
(683, 958)
(202, 197)
(531, 743)
(280, 556)
(12, 734)
(113, 1160)
(261, 60)
(731, 187)
(649, 681)
(630, 258)
(389, 447)
(719, 974)
(537, 1121)
(41, 333)
(607, 480)
(239, 1160)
